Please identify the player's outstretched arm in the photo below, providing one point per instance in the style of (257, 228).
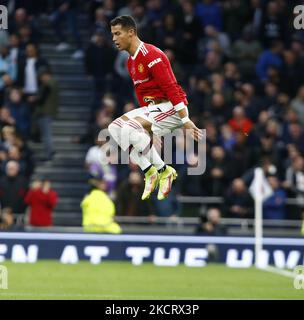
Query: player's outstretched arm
(196, 133)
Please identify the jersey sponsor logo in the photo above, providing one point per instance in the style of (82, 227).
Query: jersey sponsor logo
(140, 81)
(141, 68)
(152, 63)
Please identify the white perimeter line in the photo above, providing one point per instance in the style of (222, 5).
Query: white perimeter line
(281, 272)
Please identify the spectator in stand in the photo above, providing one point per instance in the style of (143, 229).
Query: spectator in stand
(98, 210)
(4, 38)
(272, 24)
(129, 8)
(15, 51)
(292, 77)
(274, 206)
(13, 188)
(46, 101)
(228, 137)
(14, 153)
(101, 23)
(268, 149)
(110, 9)
(295, 136)
(19, 111)
(142, 20)
(297, 104)
(219, 111)
(212, 64)
(210, 224)
(213, 35)
(155, 13)
(294, 183)
(28, 69)
(235, 14)
(21, 22)
(232, 76)
(191, 185)
(67, 10)
(99, 60)
(169, 208)
(8, 136)
(102, 167)
(269, 58)
(191, 31)
(41, 199)
(239, 203)
(246, 51)
(8, 72)
(218, 172)
(209, 12)
(7, 220)
(169, 35)
(249, 100)
(6, 118)
(239, 121)
(94, 128)
(123, 82)
(128, 200)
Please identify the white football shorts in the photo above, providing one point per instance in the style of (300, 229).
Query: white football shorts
(162, 116)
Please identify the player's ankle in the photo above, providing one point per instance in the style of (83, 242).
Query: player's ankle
(162, 169)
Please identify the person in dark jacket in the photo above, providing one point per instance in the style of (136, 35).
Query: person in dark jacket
(47, 102)
(13, 188)
(210, 224)
(128, 200)
(238, 200)
(27, 75)
(99, 61)
(67, 10)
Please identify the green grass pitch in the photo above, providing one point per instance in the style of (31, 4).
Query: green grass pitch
(121, 280)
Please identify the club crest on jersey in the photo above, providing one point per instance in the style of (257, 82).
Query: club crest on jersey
(141, 68)
(148, 99)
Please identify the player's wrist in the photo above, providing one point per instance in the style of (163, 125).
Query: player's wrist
(185, 120)
(180, 106)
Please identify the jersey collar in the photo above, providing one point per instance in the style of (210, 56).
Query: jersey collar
(137, 50)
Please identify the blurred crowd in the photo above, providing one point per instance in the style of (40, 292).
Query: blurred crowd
(28, 103)
(240, 62)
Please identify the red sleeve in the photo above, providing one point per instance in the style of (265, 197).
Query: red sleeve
(161, 70)
(29, 197)
(51, 199)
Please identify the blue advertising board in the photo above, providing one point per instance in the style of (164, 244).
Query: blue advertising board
(161, 250)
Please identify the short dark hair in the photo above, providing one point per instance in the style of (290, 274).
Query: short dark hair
(127, 22)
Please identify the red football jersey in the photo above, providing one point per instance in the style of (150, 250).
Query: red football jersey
(153, 77)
